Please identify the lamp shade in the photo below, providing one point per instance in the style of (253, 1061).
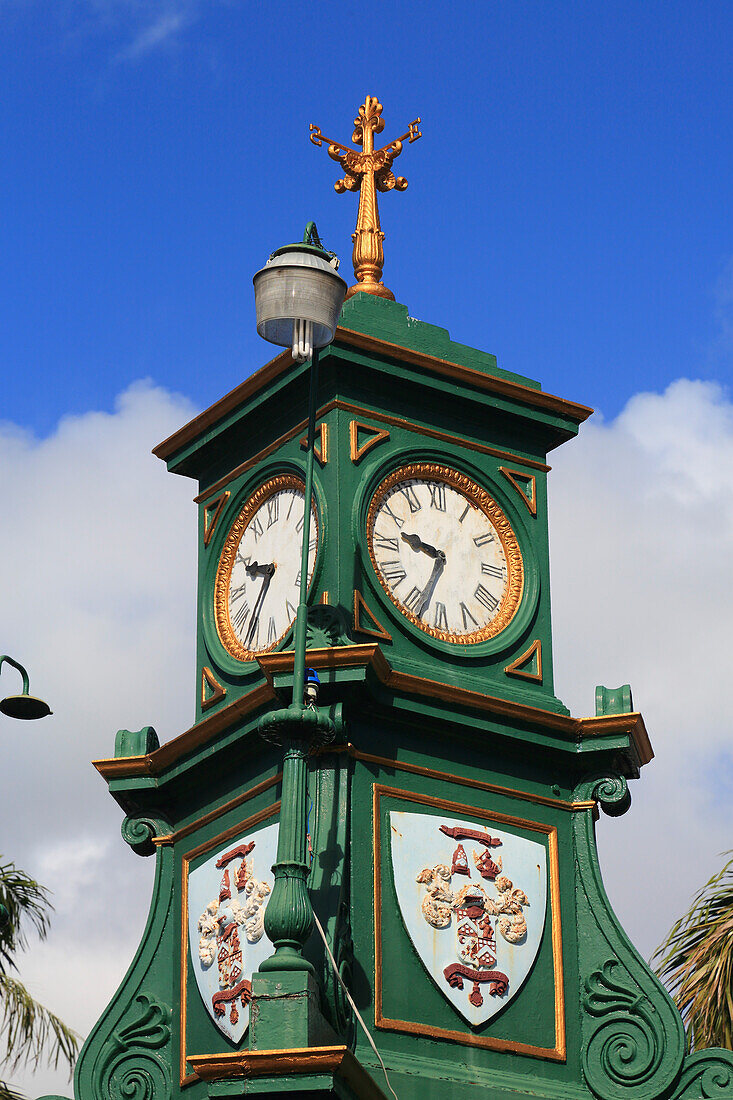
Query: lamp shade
(26, 707)
(298, 299)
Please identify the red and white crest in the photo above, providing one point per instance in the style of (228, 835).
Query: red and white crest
(489, 928)
(227, 897)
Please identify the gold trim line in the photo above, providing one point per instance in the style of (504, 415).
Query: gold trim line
(218, 691)
(378, 435)
(529, 500)
(515, 668)
(293, 1062)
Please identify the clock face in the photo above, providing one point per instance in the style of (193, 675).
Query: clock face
(445, 553)
(258, 579)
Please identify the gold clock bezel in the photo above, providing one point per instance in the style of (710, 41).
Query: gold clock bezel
(224, 627)
(512, 597)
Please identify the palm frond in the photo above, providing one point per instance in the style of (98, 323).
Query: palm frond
(30, 1032)
(7, 1092)
(696, 964)
(27, 905)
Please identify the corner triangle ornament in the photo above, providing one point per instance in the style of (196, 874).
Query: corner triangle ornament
(367, 172)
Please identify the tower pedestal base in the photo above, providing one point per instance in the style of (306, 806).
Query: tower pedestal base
(311, 1073)
(285, 1013)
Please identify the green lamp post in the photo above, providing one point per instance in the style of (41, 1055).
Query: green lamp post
(298, 298)
(23, 706)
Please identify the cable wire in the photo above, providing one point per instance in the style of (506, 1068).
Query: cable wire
(349, 998)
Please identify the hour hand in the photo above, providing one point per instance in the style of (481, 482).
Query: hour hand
(254, 569)
(416, 543)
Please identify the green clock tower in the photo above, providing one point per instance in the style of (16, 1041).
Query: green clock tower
(431, 805)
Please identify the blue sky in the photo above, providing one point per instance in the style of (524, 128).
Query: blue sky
(568, 209)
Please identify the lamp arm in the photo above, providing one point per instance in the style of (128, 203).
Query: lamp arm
(21, 670)
(301, 620)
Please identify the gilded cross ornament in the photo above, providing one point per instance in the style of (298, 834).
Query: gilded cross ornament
(367, 172)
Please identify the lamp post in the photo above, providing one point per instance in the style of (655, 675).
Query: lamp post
(298, 299)
(23, 706)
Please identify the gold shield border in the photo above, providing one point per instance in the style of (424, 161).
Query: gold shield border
(221, 838)
(558, 1053)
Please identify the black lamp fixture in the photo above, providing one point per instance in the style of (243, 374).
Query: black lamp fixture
(25, 706)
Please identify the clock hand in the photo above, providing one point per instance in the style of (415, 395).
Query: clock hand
(427, 595)
(265, 571)
(254, 569)
(416, 543)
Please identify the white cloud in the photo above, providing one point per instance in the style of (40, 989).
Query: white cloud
(642, 540)
(99, 571)
(165, 26)
(135, 29)
(99, 589)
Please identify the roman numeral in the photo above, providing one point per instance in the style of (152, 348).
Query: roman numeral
(465, 512)
(466, 614)
(483, 540)
(493, 570)
(393, 572)
(235, 593)
(271, 631)
(412, 599)
(241, 617)
(289, 610)
(485, 598)
(244, 561)
(256, 527)
(386, 544)
(292, 502)
(273, 510)
(399, 522)
(313, 543)
(299, 524)
(440, 621)
(297, 579)
(411, 497)
(437, 495)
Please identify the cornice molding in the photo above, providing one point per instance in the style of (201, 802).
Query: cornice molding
(515, 391)
(349, 338)
(371, 658)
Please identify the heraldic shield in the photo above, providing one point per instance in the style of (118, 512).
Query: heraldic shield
(227, 898)
(473, 899)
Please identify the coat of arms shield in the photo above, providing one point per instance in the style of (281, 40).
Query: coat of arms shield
(227, 897)
(475, 921)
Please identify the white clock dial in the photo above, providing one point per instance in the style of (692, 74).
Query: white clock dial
(258, 580)
(445, 553)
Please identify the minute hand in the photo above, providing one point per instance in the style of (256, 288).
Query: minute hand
(267, 572)
(427, 595)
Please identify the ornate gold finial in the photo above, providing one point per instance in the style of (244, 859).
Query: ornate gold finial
(367, 172)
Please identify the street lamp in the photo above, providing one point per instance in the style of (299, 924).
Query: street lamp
(23, 706)
(298, 299)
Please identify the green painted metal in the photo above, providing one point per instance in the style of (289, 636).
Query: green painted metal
(289, 917)
(412, 720)
(4, 659)
(614, 700)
